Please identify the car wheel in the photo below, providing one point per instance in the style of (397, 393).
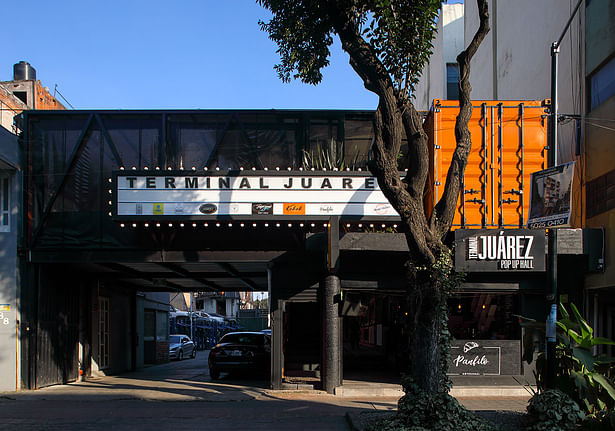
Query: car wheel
(193, 353)
(180, 355)
(214, 374)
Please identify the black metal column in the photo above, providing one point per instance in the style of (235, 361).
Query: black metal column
(331, 284)
(332, 343)
(277, 348)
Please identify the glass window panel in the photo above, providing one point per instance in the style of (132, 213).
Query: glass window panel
(484, 316)
(602, 84)
(452, 81)
(358, 135)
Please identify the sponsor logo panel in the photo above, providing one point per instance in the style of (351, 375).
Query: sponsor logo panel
(293, 208)
(262, 208)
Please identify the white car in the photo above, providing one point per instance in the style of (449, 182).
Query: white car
(180, 347)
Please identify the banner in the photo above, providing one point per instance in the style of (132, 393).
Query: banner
(551, 197)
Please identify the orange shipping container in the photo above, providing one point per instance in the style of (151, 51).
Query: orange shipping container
(509, 140)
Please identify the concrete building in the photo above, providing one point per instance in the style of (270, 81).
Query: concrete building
(10, 207)
(440, 75)
(23, 92)
(514, 63)
(599, 173)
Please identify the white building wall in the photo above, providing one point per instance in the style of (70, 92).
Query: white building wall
(520, 39)
(514, 63)
(447, 44)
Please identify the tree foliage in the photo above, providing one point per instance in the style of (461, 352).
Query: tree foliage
(399, 34)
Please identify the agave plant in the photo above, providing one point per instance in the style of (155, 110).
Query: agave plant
(329, 157)
(581, 374)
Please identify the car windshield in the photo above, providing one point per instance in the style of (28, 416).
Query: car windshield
(243, 339)
(175, 339)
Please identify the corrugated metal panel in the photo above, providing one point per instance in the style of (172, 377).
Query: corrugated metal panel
(508, 144)
(57, 334)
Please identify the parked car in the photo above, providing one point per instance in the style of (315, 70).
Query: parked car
(240, 351)
(180, 347)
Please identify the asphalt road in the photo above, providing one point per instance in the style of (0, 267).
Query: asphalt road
(175, 396)
(181, 395)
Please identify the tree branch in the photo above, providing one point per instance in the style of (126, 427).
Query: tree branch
(442, 216)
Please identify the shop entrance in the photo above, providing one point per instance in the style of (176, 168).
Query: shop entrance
(302, 343)
(373, 337)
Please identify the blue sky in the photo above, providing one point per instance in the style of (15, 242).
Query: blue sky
(156, 54)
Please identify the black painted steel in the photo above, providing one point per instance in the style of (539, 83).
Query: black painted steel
(332, 349)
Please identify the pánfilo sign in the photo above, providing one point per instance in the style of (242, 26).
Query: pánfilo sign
(496, 250)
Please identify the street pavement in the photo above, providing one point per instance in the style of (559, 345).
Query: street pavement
(180, 395)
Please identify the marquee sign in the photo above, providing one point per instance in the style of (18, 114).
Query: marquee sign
(248, 194)
(499, 250)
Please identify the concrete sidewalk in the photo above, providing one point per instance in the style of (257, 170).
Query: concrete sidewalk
(144, 398)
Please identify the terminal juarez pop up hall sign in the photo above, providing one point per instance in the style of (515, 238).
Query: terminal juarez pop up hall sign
(278, 195)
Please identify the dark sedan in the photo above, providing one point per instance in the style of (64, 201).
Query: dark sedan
(240, 351)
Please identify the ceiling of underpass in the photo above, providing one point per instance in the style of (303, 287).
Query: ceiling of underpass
(214, 276)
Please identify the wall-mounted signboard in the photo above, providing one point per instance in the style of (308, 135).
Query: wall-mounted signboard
(485, 357)
(499, 250)
(248, 194)
(551, 197)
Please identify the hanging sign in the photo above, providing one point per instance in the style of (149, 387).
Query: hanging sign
(499, 250)
(250, 194)
(551, 197)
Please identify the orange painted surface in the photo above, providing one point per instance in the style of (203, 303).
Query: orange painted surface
(508, 144)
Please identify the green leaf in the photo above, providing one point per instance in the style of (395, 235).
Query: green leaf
(579, 380)
(563, 312)
(567, 324)
(602, 381)
(585, 356)
(596, 341)
(575, 336)
(585, 328)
